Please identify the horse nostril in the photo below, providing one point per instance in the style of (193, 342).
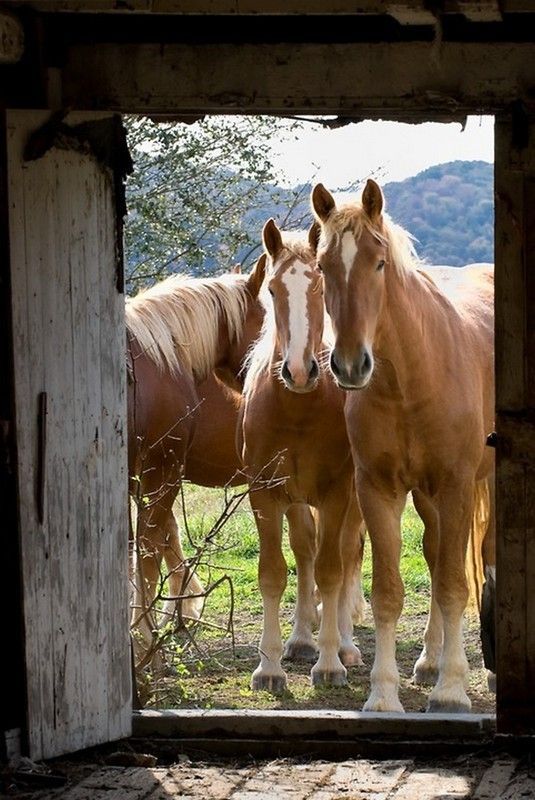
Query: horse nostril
(366, 363)
(286, 374)
(334, 366)
(314, 370)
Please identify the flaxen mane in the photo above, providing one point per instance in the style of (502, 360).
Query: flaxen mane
(176, 321)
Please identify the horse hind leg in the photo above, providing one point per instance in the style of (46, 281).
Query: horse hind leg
(455, 505)
(425, 672)
(302, 533)
(488, 600)
(183, 583)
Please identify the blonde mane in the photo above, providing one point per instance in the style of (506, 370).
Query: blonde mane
(258, 359)
(176, 321)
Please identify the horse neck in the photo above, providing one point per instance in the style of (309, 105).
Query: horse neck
(410, 315)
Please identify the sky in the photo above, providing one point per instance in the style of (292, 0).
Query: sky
(386, 151)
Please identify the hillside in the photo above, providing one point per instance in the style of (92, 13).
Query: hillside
(449, 208)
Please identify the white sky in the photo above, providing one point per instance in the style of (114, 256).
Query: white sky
(388, 151)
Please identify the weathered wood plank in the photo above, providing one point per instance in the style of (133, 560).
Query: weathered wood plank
(495, 779)
(364, 79)
(69, 342)
(515, 401)
(29, 380)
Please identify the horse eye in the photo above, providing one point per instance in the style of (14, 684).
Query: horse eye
(270, 290)
(380, 265)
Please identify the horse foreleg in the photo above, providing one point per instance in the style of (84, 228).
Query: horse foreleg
(425, 671)
(351, 602)
(454, 504)
(329, 669)
(302, 534)
(272, 574)
(382, 514)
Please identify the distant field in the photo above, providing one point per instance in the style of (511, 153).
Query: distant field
(211, 666)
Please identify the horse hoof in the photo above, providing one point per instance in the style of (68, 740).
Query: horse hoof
(301, 652)
(425, 676)
(351, 657)
(450, 707)
(383, 704)
(275, 684)
(324, 678)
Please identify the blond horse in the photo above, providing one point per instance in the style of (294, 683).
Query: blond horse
(418, 347)
(293, 432)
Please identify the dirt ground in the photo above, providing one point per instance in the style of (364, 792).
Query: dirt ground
(219, 676)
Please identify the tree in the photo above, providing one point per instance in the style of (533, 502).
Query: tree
(195, 199)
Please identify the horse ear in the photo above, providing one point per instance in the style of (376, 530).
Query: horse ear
(314, 236)
(271, 236)
(256, 277)
(372, 200)
(322, 202)
(236, 269)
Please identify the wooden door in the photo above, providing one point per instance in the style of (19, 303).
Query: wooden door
(69, 364)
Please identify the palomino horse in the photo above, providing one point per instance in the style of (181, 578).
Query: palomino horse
(293, 421)
(419, 350)
(178, 331)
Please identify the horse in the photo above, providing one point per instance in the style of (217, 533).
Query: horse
(178, 332)
(293, 434)
(413, 348)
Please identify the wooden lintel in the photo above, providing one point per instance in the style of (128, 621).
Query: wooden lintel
(411, 13)
(476, 10)
(361, 80)
(401, 9)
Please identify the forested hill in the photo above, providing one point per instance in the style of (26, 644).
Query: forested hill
(449, 209)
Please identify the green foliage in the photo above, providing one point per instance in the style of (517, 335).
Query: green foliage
(192, 187)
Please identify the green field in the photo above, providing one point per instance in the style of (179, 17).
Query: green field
(209, 665)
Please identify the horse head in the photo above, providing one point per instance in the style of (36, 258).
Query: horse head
(351, 252)
(296, 293)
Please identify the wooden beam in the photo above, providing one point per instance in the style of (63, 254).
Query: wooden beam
(400, 80)
(411, 13)
(401, 9)
(476, 10)
(515, 423)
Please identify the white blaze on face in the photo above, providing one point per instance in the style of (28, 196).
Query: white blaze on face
(297, 282)
(349, 251)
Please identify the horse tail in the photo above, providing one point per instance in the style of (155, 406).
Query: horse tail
(475, 568)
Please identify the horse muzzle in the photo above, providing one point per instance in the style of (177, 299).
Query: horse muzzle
(354, 374)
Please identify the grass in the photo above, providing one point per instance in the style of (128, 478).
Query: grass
(212, 667)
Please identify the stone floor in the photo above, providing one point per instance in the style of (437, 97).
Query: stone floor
(470, 776)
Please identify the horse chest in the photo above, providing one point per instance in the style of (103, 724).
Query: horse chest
(400, 448)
